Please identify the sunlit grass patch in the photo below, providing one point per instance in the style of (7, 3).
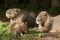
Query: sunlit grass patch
(4, 31)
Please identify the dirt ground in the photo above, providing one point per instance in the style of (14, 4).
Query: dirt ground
(3, 18)
(48, 36)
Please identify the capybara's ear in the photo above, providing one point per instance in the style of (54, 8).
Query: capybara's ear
(18, 10)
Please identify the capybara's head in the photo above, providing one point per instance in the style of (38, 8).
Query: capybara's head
(42, 17)
(11, 13)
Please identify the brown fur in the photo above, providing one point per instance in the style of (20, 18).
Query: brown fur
(11, 13)
(44, 21)
(18, 27)
(16, 14)
(56, 24)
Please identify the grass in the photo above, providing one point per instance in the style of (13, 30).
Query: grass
(4, 31)
(6, 35)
